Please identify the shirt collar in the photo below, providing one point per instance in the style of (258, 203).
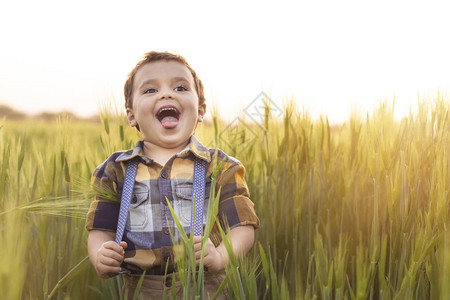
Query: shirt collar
(199, 150)
(194, 146)
(132, 153)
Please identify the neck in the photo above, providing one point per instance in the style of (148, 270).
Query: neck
(160, 154)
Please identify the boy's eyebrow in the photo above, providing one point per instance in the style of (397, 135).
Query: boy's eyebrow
(173, 79)
(181, 78)
(148, 81)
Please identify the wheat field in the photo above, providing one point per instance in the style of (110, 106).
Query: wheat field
(356, 211)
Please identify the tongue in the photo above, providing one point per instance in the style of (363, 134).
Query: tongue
(169, 122)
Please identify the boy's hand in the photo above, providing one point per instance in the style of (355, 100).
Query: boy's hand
(213, 258)
(242, 238)
(109, 258)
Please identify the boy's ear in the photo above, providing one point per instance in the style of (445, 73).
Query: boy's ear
(131, 119)
(201, 112)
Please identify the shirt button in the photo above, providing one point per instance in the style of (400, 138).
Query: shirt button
(134, 199)
(166, 231)
(164, 175)
(168, 281)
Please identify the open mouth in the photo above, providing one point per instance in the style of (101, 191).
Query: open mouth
(168, 116)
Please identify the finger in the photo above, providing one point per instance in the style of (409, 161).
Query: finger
(197, 239)
(205, 263)
(111, 254)
(112, 246)
(108, 261)
(123, 244)
(108, 270)
(198, 255)
(198, 247)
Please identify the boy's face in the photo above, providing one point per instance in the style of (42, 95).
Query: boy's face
(165, 104)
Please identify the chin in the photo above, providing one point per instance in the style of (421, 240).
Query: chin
(174, 141)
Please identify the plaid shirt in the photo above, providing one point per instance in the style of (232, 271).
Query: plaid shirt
(149, 218)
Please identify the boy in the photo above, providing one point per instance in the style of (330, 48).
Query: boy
(164, 100)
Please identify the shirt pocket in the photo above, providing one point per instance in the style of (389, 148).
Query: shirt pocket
(183, 195)
(139, 207)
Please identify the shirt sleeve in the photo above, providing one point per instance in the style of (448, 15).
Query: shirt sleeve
(235, 206)
(104, 210)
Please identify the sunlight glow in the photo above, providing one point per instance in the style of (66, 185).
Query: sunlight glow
(329, 56)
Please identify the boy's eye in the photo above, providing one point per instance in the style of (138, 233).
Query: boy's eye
(180, 88)
(149, 91)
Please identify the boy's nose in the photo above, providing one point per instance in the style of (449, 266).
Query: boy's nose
(166, 93)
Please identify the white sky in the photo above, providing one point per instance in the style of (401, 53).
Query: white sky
(328, 55)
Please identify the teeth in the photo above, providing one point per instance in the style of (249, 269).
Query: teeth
(167, 109)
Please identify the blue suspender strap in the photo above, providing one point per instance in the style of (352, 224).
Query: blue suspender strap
(127, 193)
(199, 195)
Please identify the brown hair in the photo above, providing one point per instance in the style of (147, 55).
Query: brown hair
(156, 56)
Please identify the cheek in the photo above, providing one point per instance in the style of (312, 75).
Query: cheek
(144, 109)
